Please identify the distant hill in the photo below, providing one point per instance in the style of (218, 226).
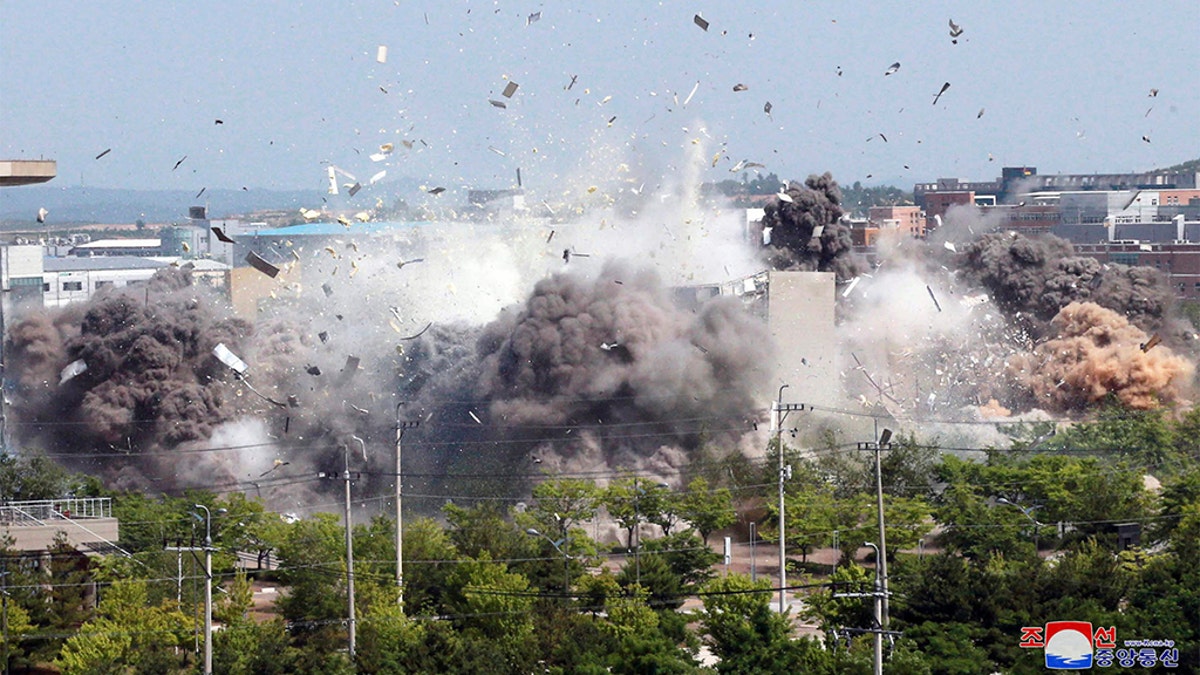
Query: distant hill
(1189, 166)
(107, 205)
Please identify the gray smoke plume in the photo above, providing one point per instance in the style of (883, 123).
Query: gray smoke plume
(151, 380)
(591, 370)
(805, 229)
(1033, 279)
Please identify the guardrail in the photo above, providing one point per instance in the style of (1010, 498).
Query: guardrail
(38, 512)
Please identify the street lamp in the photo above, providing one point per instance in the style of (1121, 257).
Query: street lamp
(566, 558)
(207, 585)
(878, 613)
(1026, 511)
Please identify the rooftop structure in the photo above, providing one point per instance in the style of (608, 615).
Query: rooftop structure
(87, 524)
(27, 171)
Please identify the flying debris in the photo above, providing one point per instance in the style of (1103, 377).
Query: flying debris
(940, 92)
(980, 114)
(200, 193)
(1146, 138)
(571, 83)
(509, 90)
(498, 104)
(387, 148)
(767, 107)
(496, 150)
(568, 254)
(354, 189)
(850, 287)
(381, 54)
(327, 289)
(106, 151)
(221, 236)
(474, 416)
(278, 463)
(402, 263)
(73, 369)
(533, 18)
(701, 22)
(691, 93)
(785, 197)
(955, 31)
(436, 191)
(179, 162)
(740, 87)
(1151, 343)
(315, 371)
(883, 137)
(377, 177)
(418, 333)
(218, 121)
(41, 214)
(892, 69)
(934, 298)
(229, 359)
(1153, 93)
(261, 265)
(349, 370)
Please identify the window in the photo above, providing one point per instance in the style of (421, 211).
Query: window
(102, 284)
(46, 287)
(72, 285)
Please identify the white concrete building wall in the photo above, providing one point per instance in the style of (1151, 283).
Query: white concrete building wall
(63, 288)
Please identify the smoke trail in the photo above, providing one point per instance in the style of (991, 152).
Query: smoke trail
(805, 232)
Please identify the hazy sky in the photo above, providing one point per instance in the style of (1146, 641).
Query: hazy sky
(1063, 86)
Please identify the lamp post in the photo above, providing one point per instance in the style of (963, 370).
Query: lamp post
(878, 613)
(207, 586)
(533, 532)
(779, 411)
(1026, 511)
(350, 542)
(401, 425)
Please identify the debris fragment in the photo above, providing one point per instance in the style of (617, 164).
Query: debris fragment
(940, 92)
(313, 370)
(402, 263)
(41, 214)
(1151, 343)
(436, 191)
(261, 265)
(474, 417)
(934, 298)
(72, 370)
(354, 189)
(324, 336)
(955, 31)
(850, 287)
(498, 104)
(509, 90)
(200, 193)
(949, 246)
(179, 162)
(691, 93)
(701, 22)
(418, 333)
(229, 359)
(892, 69)
(106, 151)
(327, 288)
(381, 54)
(1153, 93)
(533, 18)
(767, 107)
(740, 87)
(377, 177)
(980, 114)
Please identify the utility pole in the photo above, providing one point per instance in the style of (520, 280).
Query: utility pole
(401, 426)
(779, 411)
(878, 615)
(350, 542)
(879, 595)
(881, 555)
(207, 588)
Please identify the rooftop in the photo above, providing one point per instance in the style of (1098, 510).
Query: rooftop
(116, 262)
(27, 171)
(333, 229)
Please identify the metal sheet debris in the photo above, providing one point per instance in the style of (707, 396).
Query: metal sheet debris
(229, 359)
(701, 22)
(72, 370)
(509, 90)
(255, 261)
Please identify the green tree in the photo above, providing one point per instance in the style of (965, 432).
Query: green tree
(748, 637)
(128, 635)
(706, 509)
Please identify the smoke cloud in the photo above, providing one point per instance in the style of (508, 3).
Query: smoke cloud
(805, 232)
(1095, 353)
